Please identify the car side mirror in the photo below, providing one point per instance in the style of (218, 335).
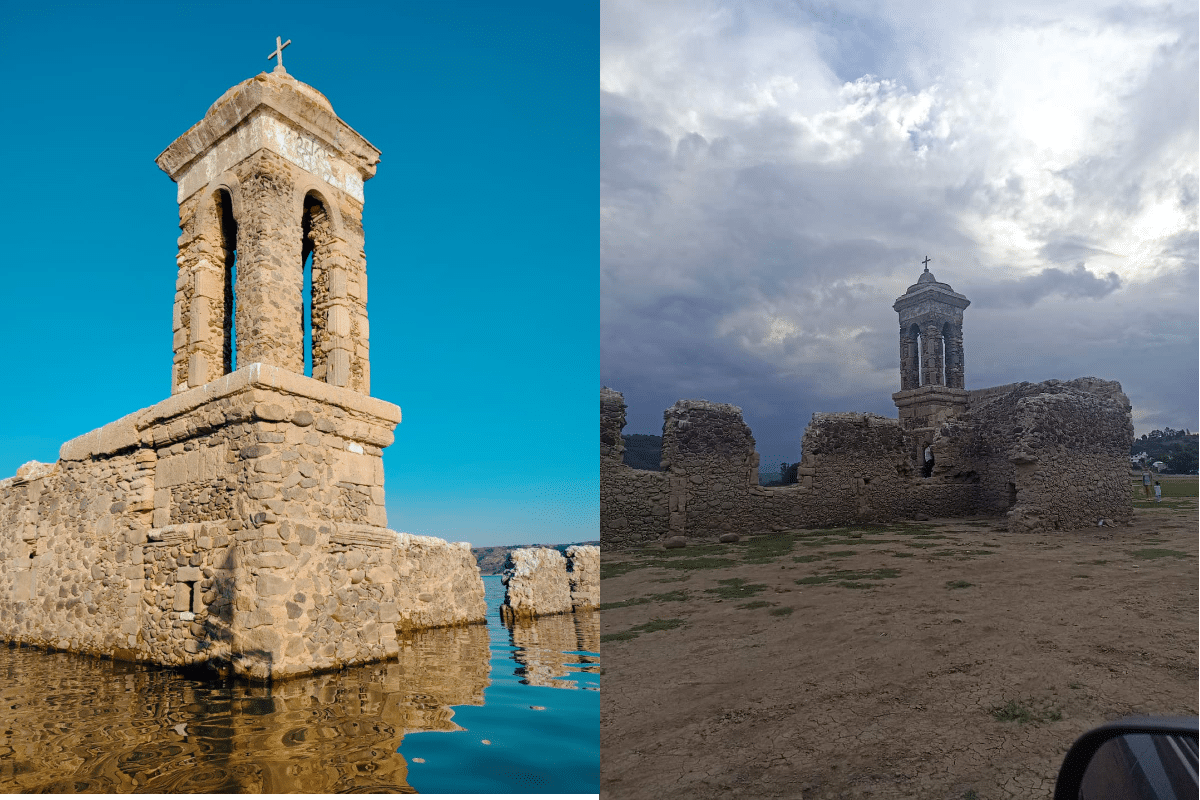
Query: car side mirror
(1137, 758)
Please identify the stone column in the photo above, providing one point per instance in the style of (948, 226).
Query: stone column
(270, 280)
(931, 366)
(955, 366)
(341, 354)
(910, 376)
(198, 323)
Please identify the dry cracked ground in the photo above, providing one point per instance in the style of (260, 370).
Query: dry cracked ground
(939, 659)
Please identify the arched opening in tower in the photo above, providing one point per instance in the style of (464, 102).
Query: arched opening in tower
(317, 234)
(228, 253)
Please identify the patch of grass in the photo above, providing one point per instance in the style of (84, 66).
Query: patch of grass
(1012, 711)
(637, 601)
(673, 578)
(856, 585)
(1157, 552)
(734, 588)
(850, 575)
(808, 559)
(970, 794)
(756, 604)
(1081, 575)
(708, 562)
(677, 596)
(611, 569)
(958, 584)
(921, 544)
(1170, 488)
(904, 555)
(649, 627)
(782, 611)
(962, 554)
(1075, 686)
(1099, 561)
(840, 553)
(764, 549)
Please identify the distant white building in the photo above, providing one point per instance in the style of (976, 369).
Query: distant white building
(1142, 456)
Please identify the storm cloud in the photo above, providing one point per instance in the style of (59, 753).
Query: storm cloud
(773, 174)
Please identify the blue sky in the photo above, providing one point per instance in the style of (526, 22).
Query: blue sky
(481, 233)
(773, 173)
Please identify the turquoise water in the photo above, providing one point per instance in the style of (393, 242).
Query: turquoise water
(541, 716)
(466, 710)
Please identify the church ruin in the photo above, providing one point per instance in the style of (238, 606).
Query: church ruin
(1044, 456)
(241, 521)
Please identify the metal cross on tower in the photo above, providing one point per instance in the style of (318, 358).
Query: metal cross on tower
(925, 262)
(279, 51)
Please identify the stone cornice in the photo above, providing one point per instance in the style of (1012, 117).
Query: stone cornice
(129, 431)
(936, 292)
(283, 96)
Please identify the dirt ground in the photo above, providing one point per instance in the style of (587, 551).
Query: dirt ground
(939, 659)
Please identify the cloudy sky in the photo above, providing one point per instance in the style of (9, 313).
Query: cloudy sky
(481, 233)
(772, 174)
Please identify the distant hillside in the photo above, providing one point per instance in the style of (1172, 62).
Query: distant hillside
(643, 451)
(491, 559)
(1177, 449)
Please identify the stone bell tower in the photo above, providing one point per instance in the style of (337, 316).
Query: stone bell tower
(270, 176)
(931, 353)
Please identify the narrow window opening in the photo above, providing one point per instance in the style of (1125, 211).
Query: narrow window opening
(191, 595)
(229, 231)
(1012, 494)
(306, 314)
(316, 236)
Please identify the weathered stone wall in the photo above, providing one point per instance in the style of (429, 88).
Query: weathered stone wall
(1053, 455)
(241, 522)
(1049, 456)
(535, 583)
(633, 502)
(583, 575)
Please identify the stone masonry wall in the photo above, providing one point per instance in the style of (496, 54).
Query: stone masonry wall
(1048, 456)
(535, 583)
(583, 575)
(240, 523)
(633, 502)
(1054, 454)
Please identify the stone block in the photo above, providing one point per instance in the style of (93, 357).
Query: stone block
(337, 367)
(271, 412)
(189, 574)
(208, 283)
(337, 283)
(182, 600)
(261, 491)
(269, 585)
(338, 320)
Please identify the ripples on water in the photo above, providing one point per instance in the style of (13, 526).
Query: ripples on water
(477, 709)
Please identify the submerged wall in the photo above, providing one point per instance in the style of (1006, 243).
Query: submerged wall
(540, 581)
(240, 523)
(1047, 456)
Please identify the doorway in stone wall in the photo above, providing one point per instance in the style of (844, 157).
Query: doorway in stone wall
(1012, 494)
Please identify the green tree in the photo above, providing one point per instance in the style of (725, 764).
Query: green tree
(1181, 460)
